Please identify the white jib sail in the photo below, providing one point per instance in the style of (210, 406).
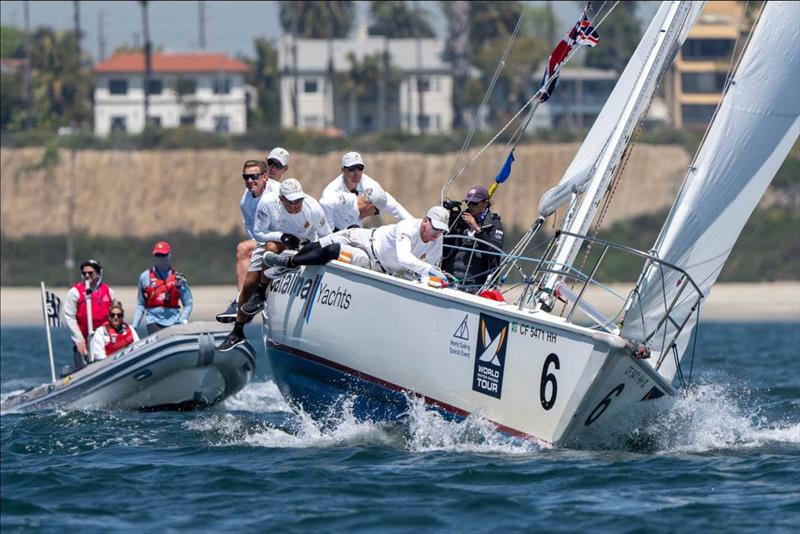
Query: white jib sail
(647, 70)
(755, 127)
(577, 176)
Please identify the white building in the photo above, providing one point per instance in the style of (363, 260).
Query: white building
(204, 90)
(423, 100)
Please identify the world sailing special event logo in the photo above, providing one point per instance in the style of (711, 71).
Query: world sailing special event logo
(490, 356)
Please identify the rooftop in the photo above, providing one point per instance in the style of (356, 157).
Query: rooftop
(161, 62)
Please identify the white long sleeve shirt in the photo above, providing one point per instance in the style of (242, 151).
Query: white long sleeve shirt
(393, 207)
(272, 220)
(248, 205)
(400, 246)
(101, 338)
(341, 210)
(71, 308)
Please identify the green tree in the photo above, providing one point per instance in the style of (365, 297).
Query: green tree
(619, 36)
(264, 76)
(459, 53)
(491, 20)
(397, 20)
(62, 86)
(317, 20)
(11, 42)
(359, 87)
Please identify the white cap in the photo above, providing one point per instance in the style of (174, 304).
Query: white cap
(279, 154)
(291, 189)
(439, 217)
(352, 158)
(376, 196)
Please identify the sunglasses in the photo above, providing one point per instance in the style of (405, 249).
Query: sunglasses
(470, 203)
(253, 177)
(88, 273)
(355, 168)
(275, 164)
(116, 315)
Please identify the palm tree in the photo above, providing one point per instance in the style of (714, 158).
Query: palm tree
(396, 20)
(459, 53)
(317, 20)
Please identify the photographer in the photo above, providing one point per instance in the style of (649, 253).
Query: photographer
(465, 258)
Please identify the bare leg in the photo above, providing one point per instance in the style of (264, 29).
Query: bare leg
(243, 252)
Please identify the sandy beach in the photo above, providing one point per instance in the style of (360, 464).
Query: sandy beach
(778, 301)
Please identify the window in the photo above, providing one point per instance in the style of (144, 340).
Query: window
(186, 86)
(118, 87)
(221, 124)
(222, 86)
(310, 86)
(187, 120)
(702, 82)
(119, 124)
(423, 85)
(154, 122)
(697, 113)
(155, 87)
(424, 121)
(707, 49)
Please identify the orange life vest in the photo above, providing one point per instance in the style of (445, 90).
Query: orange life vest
(101, 301)
(118, 340)
(162, 293)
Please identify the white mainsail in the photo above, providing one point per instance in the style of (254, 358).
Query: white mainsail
(754, 129)
(597, 164)
(577, 176)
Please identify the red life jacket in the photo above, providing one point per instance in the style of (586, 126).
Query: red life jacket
(101, 301)
(162, 293)
(118, 339)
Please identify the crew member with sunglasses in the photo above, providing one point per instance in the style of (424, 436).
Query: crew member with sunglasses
(468, 260)
(260, 178)
(353, 180)
(162, 292)
(283, 221)
(113, 335)
(76, 313)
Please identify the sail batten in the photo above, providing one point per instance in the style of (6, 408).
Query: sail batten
(756, 125)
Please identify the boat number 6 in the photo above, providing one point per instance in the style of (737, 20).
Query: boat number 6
(550, 378)
(600, 408)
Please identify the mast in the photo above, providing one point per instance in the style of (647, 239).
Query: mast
(659, 57)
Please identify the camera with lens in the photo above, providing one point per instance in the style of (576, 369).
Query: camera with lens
(453, 206)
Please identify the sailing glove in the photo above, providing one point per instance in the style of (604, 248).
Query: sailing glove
(291, 241)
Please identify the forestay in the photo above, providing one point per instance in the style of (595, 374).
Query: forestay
(755, 127)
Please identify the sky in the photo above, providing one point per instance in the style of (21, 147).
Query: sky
(231, 26)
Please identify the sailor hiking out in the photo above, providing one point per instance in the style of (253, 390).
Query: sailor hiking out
(261, 177)
(112, 335)
(81, 319)
(412, 246)
(353, 180)
(283, 221)
(161, 292)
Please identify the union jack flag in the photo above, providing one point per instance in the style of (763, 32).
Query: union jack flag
(581, 34)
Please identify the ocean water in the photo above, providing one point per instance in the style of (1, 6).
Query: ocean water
(724, 459)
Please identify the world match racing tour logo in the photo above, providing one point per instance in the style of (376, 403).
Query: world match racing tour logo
(310, 291)
(490, 356)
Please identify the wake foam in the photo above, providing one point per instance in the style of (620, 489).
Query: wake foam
(717, 416)
(258, 397)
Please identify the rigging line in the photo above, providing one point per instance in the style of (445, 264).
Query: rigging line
(489, 91)
(516, 115)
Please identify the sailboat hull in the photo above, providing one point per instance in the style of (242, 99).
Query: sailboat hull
(342, 330)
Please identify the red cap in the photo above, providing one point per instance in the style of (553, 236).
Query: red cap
(162, 247)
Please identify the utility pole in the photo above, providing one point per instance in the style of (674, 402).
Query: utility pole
(419, 78)
(101, 36)
(77, 21)
(296, 80)
(69, 260)
(201, 23)
(147, 61)
(27, 72)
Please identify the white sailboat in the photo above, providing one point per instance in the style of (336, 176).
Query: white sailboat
(531, 371)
